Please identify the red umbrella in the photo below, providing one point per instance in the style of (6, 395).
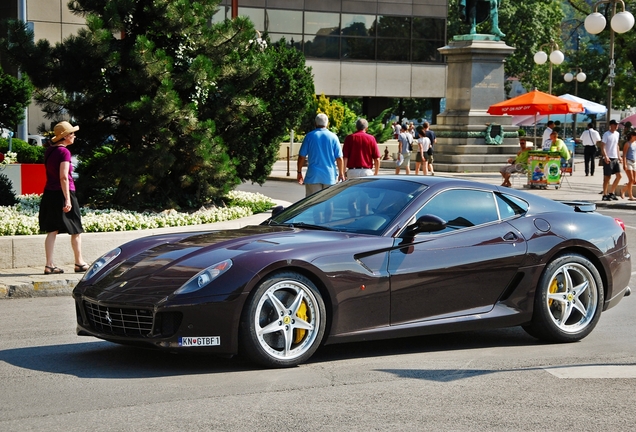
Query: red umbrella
(535, 103)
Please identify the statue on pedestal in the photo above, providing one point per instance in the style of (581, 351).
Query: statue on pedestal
(474, 12)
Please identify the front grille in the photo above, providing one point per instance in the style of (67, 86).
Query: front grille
(119, 321)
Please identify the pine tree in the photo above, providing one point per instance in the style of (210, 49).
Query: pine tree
(15, 95)
(165, 100)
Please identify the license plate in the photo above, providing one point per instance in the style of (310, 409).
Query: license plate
(200, 341)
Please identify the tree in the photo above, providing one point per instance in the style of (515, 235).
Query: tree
(173, 110)
(15, 96)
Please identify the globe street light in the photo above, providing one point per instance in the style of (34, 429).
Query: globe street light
(620, 23)
(580, 77)
(556, 57)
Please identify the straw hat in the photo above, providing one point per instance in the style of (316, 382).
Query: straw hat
(63, 129)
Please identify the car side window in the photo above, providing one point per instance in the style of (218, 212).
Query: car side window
(462, 208)
(510, 206)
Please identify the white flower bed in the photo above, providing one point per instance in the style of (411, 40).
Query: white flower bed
(22, 219)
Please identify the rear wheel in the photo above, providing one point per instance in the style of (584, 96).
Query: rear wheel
(283, 322)
(568, 300)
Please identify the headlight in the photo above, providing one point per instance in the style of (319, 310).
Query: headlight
(204, 277)
(100, 263)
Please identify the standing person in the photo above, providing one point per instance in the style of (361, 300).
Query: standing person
(361, 152)
(431, 136)
(629, 164)
(405, 146)
(396, 130)
(546, 142)
(422, 157)
(362, 159)
(59, 208)
(589, 138)
(322, 148)
(611, 162)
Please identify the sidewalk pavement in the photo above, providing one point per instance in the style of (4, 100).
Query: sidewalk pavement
(28, 280)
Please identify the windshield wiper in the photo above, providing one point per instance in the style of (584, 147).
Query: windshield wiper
(311, 226)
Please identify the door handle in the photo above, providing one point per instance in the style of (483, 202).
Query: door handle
(510, 236)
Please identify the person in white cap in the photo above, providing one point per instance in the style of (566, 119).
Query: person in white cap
(59, 208)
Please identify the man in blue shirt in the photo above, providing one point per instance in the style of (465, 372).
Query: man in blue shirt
(321, 148)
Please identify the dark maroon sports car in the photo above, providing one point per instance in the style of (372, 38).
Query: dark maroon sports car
(370, 258)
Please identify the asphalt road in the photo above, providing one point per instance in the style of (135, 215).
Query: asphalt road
(53, 380)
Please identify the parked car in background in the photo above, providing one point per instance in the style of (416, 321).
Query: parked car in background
(5, 133)
(37, 140)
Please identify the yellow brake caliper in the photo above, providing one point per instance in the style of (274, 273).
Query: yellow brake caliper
(302, 314)
(554, 287)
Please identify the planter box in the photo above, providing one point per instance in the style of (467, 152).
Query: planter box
(26, 178)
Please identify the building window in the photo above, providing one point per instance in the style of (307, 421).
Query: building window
(350, 36)
(283, 21)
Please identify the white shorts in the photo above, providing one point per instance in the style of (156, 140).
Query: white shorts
(359, 172)
(631, 165)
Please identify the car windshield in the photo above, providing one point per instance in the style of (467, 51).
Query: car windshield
(364, 206)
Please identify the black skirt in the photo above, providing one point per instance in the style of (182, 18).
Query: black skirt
(52, 216)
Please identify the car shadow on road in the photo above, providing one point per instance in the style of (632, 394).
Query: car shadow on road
(511, 337)
(100, 359)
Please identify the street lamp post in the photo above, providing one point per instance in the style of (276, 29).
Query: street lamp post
(620, 23)
(556, 57)
(579, 77)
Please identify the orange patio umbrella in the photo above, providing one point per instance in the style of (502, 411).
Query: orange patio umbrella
(535, 103)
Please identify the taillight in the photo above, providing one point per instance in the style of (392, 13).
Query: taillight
(620, 223)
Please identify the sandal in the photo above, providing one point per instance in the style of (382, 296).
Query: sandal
(81, 268)
(52, 270)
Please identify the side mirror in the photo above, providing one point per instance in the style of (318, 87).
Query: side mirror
(427, 223)
(277, 210)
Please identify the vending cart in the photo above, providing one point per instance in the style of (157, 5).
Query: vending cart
(544, 169)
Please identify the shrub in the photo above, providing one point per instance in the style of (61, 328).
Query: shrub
(27, 153)
(7, 196)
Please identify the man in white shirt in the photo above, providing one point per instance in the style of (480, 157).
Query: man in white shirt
(546, 142)
(611, 162)
(589, 139)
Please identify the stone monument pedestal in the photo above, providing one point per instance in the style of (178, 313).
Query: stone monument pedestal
(468, 138)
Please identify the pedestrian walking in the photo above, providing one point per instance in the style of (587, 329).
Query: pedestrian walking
(361, 152)
(59, 208)
(321, 148)
(590, 138)
(629, 164)
(611, 161)
(405, 146)
(422, 157)
(433, 138)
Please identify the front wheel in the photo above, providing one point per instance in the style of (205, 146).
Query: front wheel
(284, 321)
(568, 301)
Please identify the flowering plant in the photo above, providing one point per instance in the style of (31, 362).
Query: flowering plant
(9, 158)
(22, 218)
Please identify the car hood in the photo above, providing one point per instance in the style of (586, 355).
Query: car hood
(161, 264)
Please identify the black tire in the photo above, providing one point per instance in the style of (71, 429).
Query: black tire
(568, 301)
(283, 322)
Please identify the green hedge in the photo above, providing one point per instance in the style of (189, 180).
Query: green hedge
(27, 153)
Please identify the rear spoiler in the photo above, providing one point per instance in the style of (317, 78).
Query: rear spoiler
(580, 206)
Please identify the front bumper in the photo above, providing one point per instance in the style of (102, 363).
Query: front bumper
(163, 326)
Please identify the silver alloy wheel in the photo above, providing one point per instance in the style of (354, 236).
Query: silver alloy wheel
(572, 298)
(287, 320)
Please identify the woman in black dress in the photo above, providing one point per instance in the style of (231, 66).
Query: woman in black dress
(59, 209)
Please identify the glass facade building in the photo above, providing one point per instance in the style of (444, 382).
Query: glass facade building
(349, 36)
(360, 48)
